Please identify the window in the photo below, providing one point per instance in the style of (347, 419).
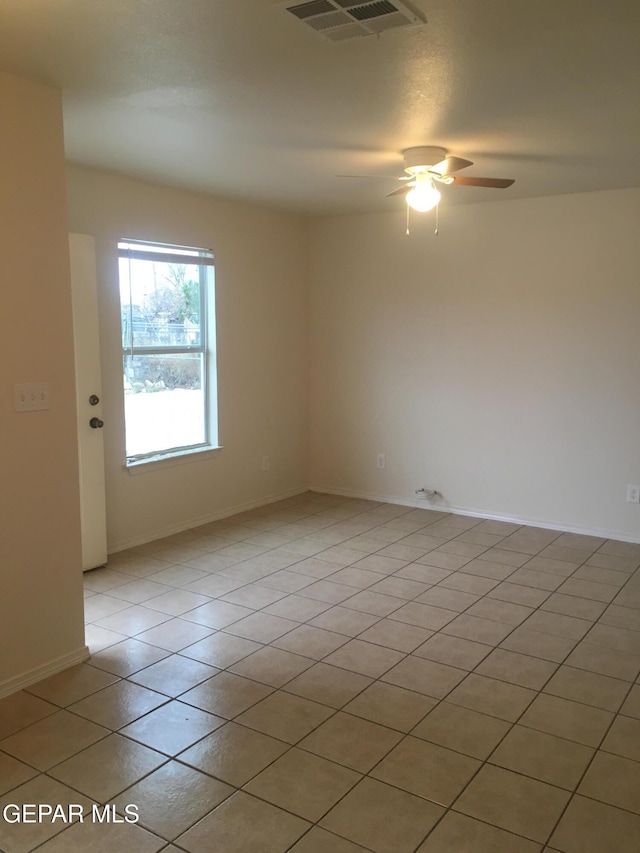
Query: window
(168, 348)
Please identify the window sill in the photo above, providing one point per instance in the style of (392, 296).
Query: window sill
(156, 463)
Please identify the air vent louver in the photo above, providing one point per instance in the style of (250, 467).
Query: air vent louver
(339, 20)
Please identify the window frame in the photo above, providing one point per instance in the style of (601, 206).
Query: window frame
(143, 250)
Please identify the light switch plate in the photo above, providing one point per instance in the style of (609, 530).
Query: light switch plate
(32, 397)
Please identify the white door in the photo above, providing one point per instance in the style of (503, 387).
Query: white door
(89, 394)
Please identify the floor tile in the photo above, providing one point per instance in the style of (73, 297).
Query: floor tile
(473, 584)
(570, 605)
(429, 574)
(98, 639)
(20, 710)
(374, 603)
(516, 803)
(450, 599)
(611, 637)
(364, 658)
(234, 753)
(304, 784)
(21, 837)
(218, 614)
(175, 602)
(589, 589)
(567, 719)
(515, 668)
(127, 657)
(173, 727)
(52, 740)
(215, 586)
(254, 596)
(457, 833)
(311, 642)
(487, 569)
(331, 593)
(133, 621)
(320, 841)
(546, 646)
(357, 578)
(243, 823)
(118, 704)
(425, 769)
(101, 605)
(226, 695)
(424, 676)
(221, 649)
(489, 696)
(623, 738)
(175, 635)
(298, 608)
(542, 756)
(588, 826)
(13, 773)
(631, 705)
(479, 630)
(390, 706)
(621, 617)
(400, 587)
(271, 666)
(344, 621)
(382, 818)
(462, 729)
(329, 685)
(173, 798)
(285, 716)
(173, 675)
(395, 635)
(351, 741)
(558, 624)
(527, 595)
(108, 767)
(613, 780)
(72, 684)
(103, 838)
(588, 688)
(500, 611)
(262, 627)
(424, 615)
(453, 651)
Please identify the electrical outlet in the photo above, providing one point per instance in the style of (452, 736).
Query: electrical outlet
(265, 463)
(381, 460)
(633, 494)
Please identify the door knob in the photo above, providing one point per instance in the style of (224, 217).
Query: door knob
(96, 423)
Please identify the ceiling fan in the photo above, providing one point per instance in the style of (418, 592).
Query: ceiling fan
(427, 166)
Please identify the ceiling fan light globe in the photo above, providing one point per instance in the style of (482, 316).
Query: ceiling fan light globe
(423, 197)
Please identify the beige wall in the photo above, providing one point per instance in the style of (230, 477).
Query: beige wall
(40, 566)
(498, 362)
(261, 274)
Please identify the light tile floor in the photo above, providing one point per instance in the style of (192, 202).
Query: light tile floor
(328, 675)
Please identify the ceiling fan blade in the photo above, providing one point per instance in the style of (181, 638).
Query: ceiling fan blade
(450, 165)
(384, 177)
(496, 183)
(402, 190)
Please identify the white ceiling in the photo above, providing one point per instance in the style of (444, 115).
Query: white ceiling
(238, 98)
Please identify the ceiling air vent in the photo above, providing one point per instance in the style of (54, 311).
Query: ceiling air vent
(338, 20)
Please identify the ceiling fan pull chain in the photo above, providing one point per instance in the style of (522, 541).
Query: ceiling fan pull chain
(437, 217)
(408, 212)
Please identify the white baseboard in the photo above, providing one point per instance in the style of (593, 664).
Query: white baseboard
(161, 532)
(26, 679)
(441, 505)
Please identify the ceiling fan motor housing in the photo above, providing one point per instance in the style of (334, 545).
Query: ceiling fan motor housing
(422, 158)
